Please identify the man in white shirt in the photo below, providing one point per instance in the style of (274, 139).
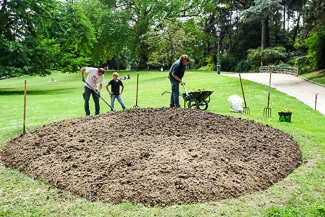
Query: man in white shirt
(95, 77)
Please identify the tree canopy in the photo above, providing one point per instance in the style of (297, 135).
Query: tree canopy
(36, 36)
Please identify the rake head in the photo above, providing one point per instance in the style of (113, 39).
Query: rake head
(267, 112)
(246, 110)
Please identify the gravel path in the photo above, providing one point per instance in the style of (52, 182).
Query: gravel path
(291, 85)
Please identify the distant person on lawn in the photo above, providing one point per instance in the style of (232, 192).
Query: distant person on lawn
(95, 76)
(176, 73)
(115, 92)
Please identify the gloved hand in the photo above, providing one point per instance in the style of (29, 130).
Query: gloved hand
(182, 83)
(83, 79)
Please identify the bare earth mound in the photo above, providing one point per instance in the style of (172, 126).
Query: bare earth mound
(155, 156)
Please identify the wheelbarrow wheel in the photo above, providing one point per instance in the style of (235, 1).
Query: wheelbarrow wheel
(193, 104)
(203, 105)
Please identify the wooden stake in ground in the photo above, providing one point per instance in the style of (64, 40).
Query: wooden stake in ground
(24, 121)
(316, 101)
(136, 93)
(267, 110)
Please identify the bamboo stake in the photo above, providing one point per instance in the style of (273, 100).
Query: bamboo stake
(137, 90)
(24, 121)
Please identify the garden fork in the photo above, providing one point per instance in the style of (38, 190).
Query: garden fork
(267, 110)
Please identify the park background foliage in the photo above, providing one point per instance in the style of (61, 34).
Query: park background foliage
(36, 36)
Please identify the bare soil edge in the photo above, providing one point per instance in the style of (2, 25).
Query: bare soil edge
(155, 156)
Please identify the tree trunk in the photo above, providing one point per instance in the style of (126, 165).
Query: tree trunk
(230, 32)
(284, 20)
(267, 33)
(296, 30)
(143, 64)
(262, 38)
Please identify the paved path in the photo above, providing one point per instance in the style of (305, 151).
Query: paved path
(291, 85)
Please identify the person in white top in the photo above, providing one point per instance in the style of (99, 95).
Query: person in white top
(95, 77)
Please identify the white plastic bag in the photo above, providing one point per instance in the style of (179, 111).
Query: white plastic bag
(236, 103)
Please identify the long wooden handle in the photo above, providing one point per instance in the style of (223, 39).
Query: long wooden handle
(88, 85)
(242, 90)
(269, 93)
(24, 119)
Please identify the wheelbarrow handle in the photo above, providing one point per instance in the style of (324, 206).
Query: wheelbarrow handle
(185, 89)
(165, 92)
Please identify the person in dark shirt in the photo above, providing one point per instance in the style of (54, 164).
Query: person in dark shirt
(115, 92)
(175, 76)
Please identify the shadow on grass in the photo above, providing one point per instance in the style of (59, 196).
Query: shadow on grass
(7, 91)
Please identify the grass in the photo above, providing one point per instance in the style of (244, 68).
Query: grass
(302, 193)
(317, 76)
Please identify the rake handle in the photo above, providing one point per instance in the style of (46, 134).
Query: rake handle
(88, 85)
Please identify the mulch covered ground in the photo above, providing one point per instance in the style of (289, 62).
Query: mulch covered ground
(155, 156)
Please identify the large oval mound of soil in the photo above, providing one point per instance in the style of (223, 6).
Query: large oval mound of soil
(155, 156)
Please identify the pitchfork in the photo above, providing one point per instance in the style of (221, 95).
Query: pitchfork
(267, 110)
(246, 109)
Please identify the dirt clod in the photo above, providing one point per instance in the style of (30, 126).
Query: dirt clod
(155, 156)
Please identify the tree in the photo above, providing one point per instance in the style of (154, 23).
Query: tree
(173, 39)
(25, 49)
(74, 34)
(262, 9)
(112, 32)
(292, 10)
(143, 16)
(315, 15)
(316, 50)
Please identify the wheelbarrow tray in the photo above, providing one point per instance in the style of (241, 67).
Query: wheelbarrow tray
(198, 95)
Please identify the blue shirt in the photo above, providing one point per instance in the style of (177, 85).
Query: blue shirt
(177, 69)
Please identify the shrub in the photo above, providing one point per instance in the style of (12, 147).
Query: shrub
(304, 63)
(228, 63)
(316, 50)
(243, 66)
(269, 56)
(284, 65)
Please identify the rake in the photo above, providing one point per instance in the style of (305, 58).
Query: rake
(267, 110)
(99, 96)
(245, 109)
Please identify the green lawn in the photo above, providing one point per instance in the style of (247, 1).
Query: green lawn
(302, 193)
(317, 76)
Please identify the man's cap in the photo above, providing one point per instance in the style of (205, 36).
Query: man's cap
(185, 57)
(115, 73)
